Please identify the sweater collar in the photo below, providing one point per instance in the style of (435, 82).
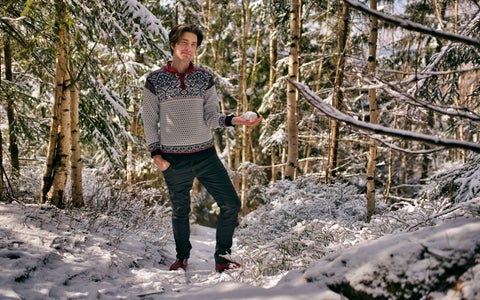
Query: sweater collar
(168, 68)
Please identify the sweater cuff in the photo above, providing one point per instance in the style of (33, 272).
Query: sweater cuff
(228, 120)
(155, 152)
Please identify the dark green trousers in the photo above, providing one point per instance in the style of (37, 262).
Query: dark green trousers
(209, 170)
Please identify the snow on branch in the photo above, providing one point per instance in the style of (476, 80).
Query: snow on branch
(414, 26)
(395, 147)
(146, 17)
(334, 113)
(462, 112)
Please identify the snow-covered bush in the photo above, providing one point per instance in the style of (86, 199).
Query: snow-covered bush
(304, 220)
(111, 208)
(448, 195)
(123, 210)
(458, 184)
(300, 221)
(256, 181)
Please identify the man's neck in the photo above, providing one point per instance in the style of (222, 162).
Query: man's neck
(180, 66)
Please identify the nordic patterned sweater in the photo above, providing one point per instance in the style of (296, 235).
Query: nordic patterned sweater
(180, 109)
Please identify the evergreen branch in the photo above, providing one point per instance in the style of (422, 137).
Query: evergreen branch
(77, 78)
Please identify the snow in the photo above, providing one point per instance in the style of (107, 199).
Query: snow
(307, 241)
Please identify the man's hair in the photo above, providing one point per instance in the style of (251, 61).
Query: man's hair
(179, 29)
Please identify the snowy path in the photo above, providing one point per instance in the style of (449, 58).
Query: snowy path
(200, 272)
(47, 254)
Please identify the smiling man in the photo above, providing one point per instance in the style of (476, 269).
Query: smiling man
(180, 109)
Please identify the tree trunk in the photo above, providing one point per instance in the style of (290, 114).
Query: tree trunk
(273, 160)
(372, 99)
(272, 51)
(12, 135)
(58, 156)
(131, 147)
(337, 92)
(389, 167)
(1, 166)
(76, 160)
(273, 54)
(326, 29)
(292, 93)
(1, 152)
(241, 146)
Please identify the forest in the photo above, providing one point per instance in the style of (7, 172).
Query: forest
(373, 98)
(402, 79)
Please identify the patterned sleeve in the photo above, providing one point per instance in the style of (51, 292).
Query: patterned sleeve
(212, 115)
(150, 117)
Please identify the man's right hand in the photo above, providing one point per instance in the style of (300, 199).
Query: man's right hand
(161, 163)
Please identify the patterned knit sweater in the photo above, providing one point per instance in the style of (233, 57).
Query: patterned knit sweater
(180, 110)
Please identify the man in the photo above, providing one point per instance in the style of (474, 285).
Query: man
(180, 108)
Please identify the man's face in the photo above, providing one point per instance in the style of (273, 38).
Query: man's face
(186, 47)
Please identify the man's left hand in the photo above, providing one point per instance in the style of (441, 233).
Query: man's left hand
(243, 121)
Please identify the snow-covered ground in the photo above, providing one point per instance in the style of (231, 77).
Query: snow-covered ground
(45, 255)
(307, 242)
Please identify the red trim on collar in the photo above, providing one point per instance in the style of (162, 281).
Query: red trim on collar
(168, 68)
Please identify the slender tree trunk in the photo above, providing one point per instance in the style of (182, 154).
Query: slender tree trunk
(48, 172)
(59, 147)
(389, 167)
(308, 148)
(337, 92)
(459, 131)
(273, 160)
(292, 93)
(404, 167)
(273, 54)
(242, 145)
(320, 66)
(1, 151)
(131, 149)
(247, 148)
(372, 99)
(12, 135)
(76, 159)
(1, 166)
(238, 141)
(227, 139)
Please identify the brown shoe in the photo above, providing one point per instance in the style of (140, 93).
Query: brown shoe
(179, 264)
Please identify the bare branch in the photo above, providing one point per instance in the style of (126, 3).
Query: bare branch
(463, 112)
(415, 26)
(404, 134)
(427, 74)
(400, 149)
